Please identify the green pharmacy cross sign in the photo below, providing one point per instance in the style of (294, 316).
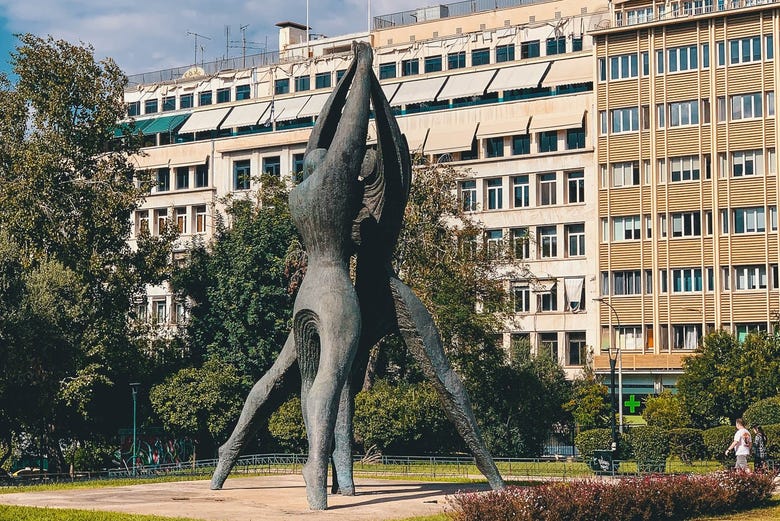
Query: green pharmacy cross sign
(632, 403)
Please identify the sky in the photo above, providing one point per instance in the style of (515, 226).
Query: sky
(146, 36)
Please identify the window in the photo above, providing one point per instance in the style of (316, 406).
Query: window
(242, 174)
(645, 63)
(745, 50)
(556, 45)
(743, 330)
(223, 95)
(625, 120)
(468, 195)
(494, 146)
(282, 86)
(623, 66)
(659, 62)
(576, 43)
(648, 226)
(686, 224)
(771, 158)
(747, 163)
(480, 57)
(163, 179)
(200, 219)
(575, 236)
(180, 313)
(386, 71)
(548, 300)
(721, 54)
(639, 16)
(134, 109)
(750, 277)
(627, 228)
(204, 98)
(685, 168)
(186, 101)
(272, 166)
(744, 106)
(201, 176)
(547, 190)
(521, 298)
(520, 191)
(142, 221)
(603, 122)
(456, 60)
(322, 80)
(520, 243)
(495, 242)
(169, 103)
(521, 144)
(181, 220)
(660, 111)
(625, 174)
(627, 282)
(505, 53)
(520, 346)
(302, 83)
(770, 103)
(749, 220)
(575, 187)
(548, 141)
(298, 166)
(548, 345)
(150, 106)
(684, 113)
(410, 67)
(160, 312)
(575, 138)
(682, 59)
(629, 338)
(705, 56)
(602, 69)
(575, 348)
(433, 64)
(686, 280)
(686, 336)
(141, 311)
(182, 177)
(161, 218)
(548, 241)
(495, 194)
(243, 92)
(529, 49)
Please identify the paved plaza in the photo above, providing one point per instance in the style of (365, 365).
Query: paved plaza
(253, 499)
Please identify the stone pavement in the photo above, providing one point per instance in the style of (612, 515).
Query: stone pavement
(262, 498)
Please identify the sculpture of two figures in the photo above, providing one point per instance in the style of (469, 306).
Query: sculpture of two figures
(351, 202)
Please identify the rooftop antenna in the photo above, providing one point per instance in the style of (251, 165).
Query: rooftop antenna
(196, 35)
(248, 45)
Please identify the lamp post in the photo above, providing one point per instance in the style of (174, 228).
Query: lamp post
(134, 390)
(615, 360)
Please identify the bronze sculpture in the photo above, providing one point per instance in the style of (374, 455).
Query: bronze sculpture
(351, 201)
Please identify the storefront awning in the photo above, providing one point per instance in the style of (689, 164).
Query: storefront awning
(522, 77)
(545, 122)
(418, 91)
(314, 106)
(566, 72)
(463, 85)
(443, 140)
(164, 124)
(138, 126)
(204, 120)
(503, 128)
(245, 115)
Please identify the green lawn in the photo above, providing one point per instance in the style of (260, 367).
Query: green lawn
(15, 513)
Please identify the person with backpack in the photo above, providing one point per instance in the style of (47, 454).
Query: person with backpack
(741, 445)
(759, 446)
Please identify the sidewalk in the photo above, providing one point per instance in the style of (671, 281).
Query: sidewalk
(262, 498)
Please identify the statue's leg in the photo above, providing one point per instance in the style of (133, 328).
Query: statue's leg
(422, 338)
(228, 453)
(342, 441)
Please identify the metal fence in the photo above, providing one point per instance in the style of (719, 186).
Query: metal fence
(435, 12)
(211, 67)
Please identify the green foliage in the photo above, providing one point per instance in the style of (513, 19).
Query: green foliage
(665, 411)
(773, 441)
(242, 307)
(199, 403)
(90, 455)
(403, 419)
(650, 445)
(726, 376)
(589, 404)
(763, 412)
(19, 513)
(687, 444)
(717, 440)
(601, 439)
(287, 427)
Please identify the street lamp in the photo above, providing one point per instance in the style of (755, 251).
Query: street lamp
(617, 359)
(134, 390)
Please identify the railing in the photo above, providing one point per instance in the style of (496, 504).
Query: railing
(212, 67)
(434, 12)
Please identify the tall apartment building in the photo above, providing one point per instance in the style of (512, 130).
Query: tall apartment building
(506, 95)
(687, 193)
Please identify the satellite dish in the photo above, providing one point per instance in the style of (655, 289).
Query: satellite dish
(193, 72)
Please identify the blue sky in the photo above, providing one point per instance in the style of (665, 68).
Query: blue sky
(145, 35)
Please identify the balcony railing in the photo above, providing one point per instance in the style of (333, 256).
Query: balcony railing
(208, 68)
(424, 14)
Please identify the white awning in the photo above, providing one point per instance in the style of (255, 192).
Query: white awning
(148, 163)
(503, 128)
(289, 108)
(415, 139)
(544, 285)
(443, 140)
(522, 77)
(566, 72)
(204, 120)
(556, 121)
(245, 115)
(390, 90)
(314, 106)
(463, 85)
(418, 91)
(371, 137)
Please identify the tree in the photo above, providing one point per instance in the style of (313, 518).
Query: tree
(665, 411)
(589, 405)
(65, 207)
(725, 376)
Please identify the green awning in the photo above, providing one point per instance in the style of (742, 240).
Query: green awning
(139, 127)
(164, 124)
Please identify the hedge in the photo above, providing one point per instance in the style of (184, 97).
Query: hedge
(763, 412)
(687, 444)
(601, 439)
(717, 440)
(651, 447)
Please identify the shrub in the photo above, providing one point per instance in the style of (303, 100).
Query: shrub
(651, 447)
(763, 412)
(653, 497)
(717, 440)
(600, 439)
(687, 444)
(287, 427)
(773, 441)
(666, 411)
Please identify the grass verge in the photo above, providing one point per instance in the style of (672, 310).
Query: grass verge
(16, 513)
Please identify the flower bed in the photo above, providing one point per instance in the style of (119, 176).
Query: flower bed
(652, 497)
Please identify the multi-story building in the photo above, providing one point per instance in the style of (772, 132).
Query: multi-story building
(687, 184)
(505, 95)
